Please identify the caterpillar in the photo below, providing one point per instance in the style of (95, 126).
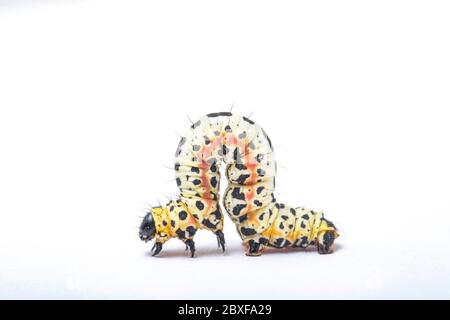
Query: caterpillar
(250, 167)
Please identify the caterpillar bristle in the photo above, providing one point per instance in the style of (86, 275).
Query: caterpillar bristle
(168, 197)
(180, 136)
(189, 119)
(278, 146)
(146, 208)
(232, 106)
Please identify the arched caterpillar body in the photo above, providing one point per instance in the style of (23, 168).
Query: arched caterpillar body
(246, 150)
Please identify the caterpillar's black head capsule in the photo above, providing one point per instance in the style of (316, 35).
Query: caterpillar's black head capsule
(147, 230)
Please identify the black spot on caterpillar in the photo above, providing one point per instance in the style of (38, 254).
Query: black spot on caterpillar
(242, 218)
(242, 178)
(214, 182)
(247, 231)
(182, 215)
(195, 170)
(208, 223)
(199, 205)
(217, 114)
(180, 233)
(237, 194)
(238, 208)
(261, 220)
(191, 231)
(248, 120)
(195, 125)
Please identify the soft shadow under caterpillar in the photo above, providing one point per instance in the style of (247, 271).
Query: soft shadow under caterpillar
(246, 150)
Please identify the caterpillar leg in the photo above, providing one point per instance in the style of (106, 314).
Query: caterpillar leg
(220, 240)
(157, 247)
(254, 249)
(191, 245)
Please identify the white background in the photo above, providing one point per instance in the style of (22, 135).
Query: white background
(354, 95)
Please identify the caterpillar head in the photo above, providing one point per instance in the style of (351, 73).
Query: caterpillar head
(147, 229)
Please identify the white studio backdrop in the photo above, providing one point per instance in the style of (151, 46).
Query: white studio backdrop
(93, 94)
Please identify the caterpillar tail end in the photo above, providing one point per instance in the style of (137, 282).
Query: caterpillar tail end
(326, 238)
